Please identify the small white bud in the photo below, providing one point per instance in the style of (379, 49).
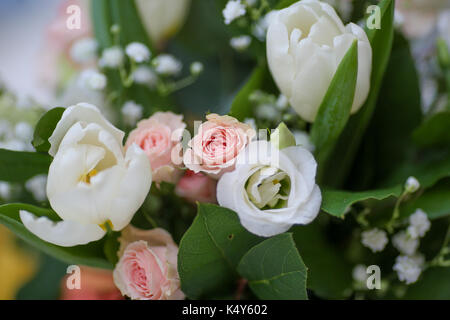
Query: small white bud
(145, 75)
(84, 50)
(131, 112)
(374, 239)
(419, 224)
(167, 64)
(91, 79)
(240, 43)
(196, 68)
(412, 185)
(138, 52)
(233, 10)
(111, 58)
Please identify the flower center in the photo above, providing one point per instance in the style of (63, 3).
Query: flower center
(268, 188)
(86, 178)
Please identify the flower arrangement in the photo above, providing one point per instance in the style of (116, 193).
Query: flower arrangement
(321, 177)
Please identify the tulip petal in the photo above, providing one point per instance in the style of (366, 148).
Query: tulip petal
(63, 233)
(133, 188)
(82, 112)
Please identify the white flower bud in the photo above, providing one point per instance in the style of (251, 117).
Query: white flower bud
(145, 75)
(412, 185)
(408, 268)
(374, 239)
(419, 224)
(167, 64)
(111, 58)
(233, 10)
(196, 68)
(131, 113)
(91, 79)
(5, 190)
(138, 52)
(305, 45)
(359, 273)
(240, 43)
(404, 243)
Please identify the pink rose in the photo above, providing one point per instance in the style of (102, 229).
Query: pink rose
(197, 187)
(218, 142)
(147, 268)
(159, 137)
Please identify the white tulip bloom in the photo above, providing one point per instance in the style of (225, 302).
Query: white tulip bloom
(92, 185)
(305, 44)
(162, 18)
(271, 189)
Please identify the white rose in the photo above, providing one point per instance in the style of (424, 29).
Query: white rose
(92, 185)
(305, 44)
(162, 18)
(271, 189)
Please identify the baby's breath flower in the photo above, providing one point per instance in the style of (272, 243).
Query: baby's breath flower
(418, 224)
(131, 112)
(405, 243)
(111, 57)
(409, 268)
(233, 10)
(5, 190)
(145, 75)
(240, 43)
(92, 80)
(359, 273)
(374, 239)
(196, 68)
(138, 52)
(167, 64)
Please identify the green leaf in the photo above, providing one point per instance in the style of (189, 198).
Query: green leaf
(282, 138)
(334, 110)
(90, 254)
(434, 284)
(275, 270)
(210, 251)
(45, 127)
(344, 153)
(434, 131)
(329, 272)
(112, 247)
(18, 166)
(434, 201)
(241, 107)
(336, 202)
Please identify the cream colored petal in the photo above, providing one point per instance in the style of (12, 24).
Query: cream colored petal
(82, 112)
(62, 233)
(133, 189)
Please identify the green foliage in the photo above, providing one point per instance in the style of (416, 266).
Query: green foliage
(45, 127)
(210, 251)
(19, 166)
(334, 110)
(275, 270)
(434, 131)
(329, 272)
(336, 202)
(90, 254)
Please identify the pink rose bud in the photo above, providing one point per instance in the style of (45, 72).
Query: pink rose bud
(147, 268)
(159, 136)
(217, 144)
(197, 187)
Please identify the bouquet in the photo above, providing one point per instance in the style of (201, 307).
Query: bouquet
(269, 150)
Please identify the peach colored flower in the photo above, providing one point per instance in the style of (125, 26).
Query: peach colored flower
(197, 187)
(147, 268)
(96, 284)
(159, 137)
(218, 142)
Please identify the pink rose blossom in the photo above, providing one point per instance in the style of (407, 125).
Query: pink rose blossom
(218, 142)
(147, 268)
(197, 187)
(159, 137)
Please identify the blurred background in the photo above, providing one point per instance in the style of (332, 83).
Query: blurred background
(36, 74)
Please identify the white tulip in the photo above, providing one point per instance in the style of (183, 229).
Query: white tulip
(92, 185)
(271, 189)
(162, 18)
(305, 44)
